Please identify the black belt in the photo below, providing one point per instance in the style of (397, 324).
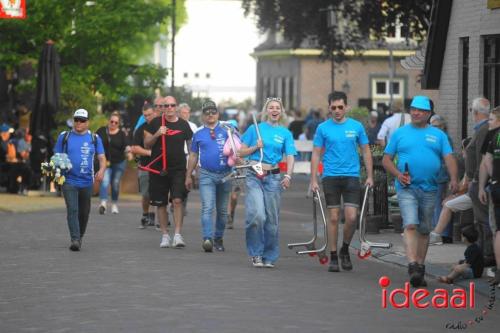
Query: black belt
(272, 171)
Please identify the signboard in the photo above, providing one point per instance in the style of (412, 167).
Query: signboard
(493, 4)
(12, 9)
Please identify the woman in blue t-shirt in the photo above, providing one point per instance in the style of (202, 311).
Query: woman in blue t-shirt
(264, 192)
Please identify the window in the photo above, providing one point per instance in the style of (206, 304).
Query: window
(207, 76)
(491, 77)
(381, 93)
(196, 75)
(381, 89)
(186, 75)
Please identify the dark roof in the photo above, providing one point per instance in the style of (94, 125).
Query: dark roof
(436, 43)
(309, 43)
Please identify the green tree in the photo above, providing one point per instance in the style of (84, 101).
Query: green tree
(103, 44)
(339, 25)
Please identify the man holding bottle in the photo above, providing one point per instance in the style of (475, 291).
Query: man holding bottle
(420, 149)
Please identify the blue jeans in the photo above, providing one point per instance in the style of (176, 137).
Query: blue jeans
(214, 195)
(438, 207)
(417, 208)
(112, 175)
(262, 203)
(78, 209)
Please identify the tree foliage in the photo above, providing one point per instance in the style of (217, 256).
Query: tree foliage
(102, 43)
(354, 21)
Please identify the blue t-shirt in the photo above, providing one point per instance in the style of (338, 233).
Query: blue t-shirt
(423, 150)
(80, 150)
(341, 146)
(277, 140)
(210, 150)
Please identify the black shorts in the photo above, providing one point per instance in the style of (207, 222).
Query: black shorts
(344, 187)
(161, 187)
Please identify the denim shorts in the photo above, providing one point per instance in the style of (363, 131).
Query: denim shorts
(417, 208)
(344, 187)
(467, 274)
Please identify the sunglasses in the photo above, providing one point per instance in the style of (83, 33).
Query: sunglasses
(270, 99)
(210, 112)
(335, 107)
(113, 122)
(79, 120)
(164, 106)
(212, 134)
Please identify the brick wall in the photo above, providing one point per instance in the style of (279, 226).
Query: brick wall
(468, 19)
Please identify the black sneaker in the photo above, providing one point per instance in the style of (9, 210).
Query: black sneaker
(219, 244)
(207, 245)
(75, 245)
(102, 210)
(151, 220)
(416, 276)
(345, 261)
(144, 221)
(447, 240)
(230, 224)
(334, 265)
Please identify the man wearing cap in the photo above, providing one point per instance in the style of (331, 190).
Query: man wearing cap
(170, 181)
(420, 149)
(207, 148)
(80, 145)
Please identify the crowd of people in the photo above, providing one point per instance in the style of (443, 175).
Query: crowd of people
(174, 156)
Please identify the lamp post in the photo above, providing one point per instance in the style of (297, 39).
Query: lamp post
(174, 14)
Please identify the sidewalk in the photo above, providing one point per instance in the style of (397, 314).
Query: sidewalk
(37, 201)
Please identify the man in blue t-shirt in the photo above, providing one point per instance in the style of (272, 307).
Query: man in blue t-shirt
(80, 145)
(340, 137)
(207, 150)
(420, 148)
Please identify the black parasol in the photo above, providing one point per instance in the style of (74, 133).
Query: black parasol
(46, 105)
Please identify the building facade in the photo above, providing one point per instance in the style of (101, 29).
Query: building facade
(463, 59)
(303, 80)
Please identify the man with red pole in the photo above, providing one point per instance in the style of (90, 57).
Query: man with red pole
(166, 136)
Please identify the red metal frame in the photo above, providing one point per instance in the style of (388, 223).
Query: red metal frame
(163, 155)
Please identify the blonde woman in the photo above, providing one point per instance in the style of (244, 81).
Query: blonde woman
(264, 192)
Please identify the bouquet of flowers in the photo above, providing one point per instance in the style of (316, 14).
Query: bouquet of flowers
(55, 169)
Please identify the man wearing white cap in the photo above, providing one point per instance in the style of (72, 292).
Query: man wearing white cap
(420, 149)
(80, 145)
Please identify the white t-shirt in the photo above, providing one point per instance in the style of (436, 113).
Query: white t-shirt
(390, 125)
(194, 128)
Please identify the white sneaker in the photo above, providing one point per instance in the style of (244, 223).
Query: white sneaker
(165, 241)
(257, 261)
(435, 238)
(114, 209)
(102, 207)
(490, 272)
(178, 241)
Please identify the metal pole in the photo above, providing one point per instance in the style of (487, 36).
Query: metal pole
(391, 75)
(333, 72)
(174, 14)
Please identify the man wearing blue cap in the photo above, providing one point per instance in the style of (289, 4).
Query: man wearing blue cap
(420, 149)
